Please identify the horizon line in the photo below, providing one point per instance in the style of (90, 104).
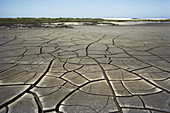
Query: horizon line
(87, 17)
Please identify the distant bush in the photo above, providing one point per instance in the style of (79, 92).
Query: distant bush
(45, 20)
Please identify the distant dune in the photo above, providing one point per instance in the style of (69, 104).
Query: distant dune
(135, 18)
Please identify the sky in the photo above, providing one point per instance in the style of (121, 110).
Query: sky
(85, 8)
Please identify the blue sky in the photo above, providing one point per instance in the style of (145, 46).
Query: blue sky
(86, 8)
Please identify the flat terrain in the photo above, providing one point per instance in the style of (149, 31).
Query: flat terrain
(87, 69)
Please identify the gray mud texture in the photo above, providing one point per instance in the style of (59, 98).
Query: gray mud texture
(86, 69)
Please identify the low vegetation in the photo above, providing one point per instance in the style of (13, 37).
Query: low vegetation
(45, 20)
(9, 21)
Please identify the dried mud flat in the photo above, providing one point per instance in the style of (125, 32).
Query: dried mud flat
(87, 69)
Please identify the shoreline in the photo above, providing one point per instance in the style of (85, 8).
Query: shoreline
(71, 24)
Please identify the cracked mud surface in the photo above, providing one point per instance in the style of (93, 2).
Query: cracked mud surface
(88, 69)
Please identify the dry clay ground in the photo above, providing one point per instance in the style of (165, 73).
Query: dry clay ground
(87, 69)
